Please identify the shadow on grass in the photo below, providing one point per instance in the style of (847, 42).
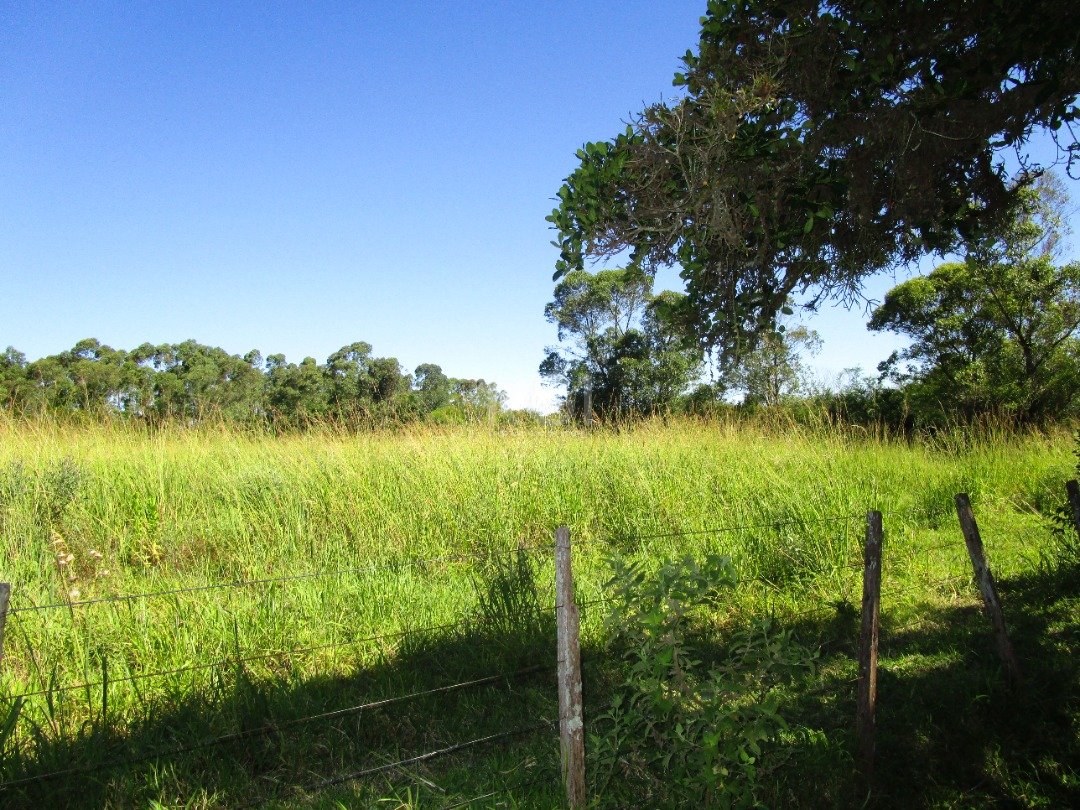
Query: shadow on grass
(951, 732)
(271, 757)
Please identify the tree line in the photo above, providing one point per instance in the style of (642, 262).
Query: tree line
(190, 382)
(809, 146)
(996, 332)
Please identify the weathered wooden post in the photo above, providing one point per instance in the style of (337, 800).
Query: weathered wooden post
(1073, 491)
(868, 645)
(985, 579)
(571, 718)
(5, 597)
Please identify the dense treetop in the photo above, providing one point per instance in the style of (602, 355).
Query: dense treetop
(1000, 330)
(192, 382)
(816, 143)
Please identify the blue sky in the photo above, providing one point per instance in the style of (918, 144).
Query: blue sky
(295, 177)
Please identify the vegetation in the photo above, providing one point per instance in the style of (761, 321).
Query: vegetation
(107, 509)
(195, 383)
(817, 143)
(999, 331)
(618, 344)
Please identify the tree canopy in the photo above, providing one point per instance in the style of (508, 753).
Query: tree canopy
(999, 330)
(191, 382)
(816, 143)
(617, 342)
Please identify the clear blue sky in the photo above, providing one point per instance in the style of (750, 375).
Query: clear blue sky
(295, 177)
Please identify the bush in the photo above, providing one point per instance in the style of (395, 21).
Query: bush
(681, 733)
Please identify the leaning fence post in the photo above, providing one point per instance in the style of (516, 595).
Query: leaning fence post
(1073, 490)
(985, 579)
(868, 644)
(5, 597)
(571, 720)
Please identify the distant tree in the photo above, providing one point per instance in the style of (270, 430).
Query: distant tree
(191, 383)
(776, 368)
(362, 385)
(476, 399)
(431, 387)
(296, 395)
(617, 341)
(818, 142)
(999, 330)
(16, 390)
(387, 385)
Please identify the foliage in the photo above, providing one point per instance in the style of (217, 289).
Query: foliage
(1063, 526)
(192, 383)
(998, 331)
(617, 342)
(680, 731)
(864, 400)
(775, 369)
(816, 143)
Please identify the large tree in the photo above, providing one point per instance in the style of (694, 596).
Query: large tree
(776, 368)
(999, 330)
(817, 143)
(617, 342)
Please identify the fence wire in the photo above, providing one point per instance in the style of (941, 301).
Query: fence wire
(826, 520)
(244, 583)
(550, 779)
(273, 728)
(235, 661)
(430, 755)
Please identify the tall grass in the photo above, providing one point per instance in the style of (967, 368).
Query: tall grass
(97, 510)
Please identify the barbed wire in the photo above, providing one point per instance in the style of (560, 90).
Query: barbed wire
(487, 554)
(414, 760)
(243, 583)
(501, 791)
(234, 661)
(828, 519)
(272, 728)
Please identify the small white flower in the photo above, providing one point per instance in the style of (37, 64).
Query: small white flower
(74, 593)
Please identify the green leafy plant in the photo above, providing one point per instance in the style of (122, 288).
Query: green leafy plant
(680, 730)
(1066, 542)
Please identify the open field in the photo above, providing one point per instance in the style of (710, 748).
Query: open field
(417, 528)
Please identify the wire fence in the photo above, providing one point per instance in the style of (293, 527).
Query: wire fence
(822, 607)
(244, 659)
(274, 728)
(240, 659)
(245, 583)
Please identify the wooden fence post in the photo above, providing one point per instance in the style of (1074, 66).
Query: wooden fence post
(571, 718)
(985, 579)
(1073, 490)
(5, 596)
(868, 645)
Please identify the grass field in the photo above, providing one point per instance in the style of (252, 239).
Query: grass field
(415, 529)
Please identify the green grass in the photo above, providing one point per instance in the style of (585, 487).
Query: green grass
(139, 512)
